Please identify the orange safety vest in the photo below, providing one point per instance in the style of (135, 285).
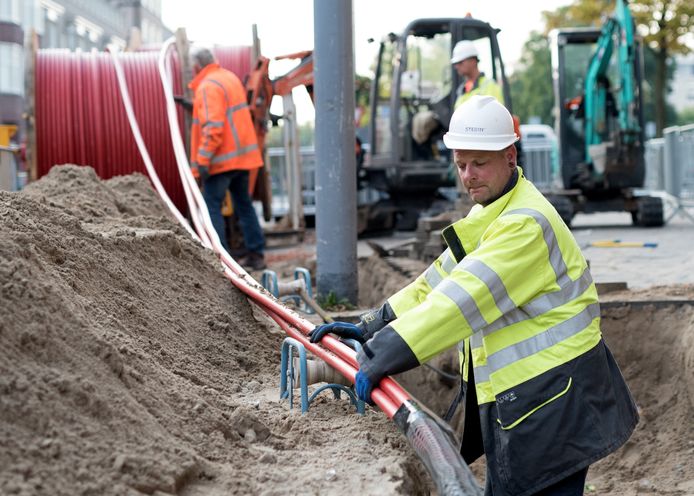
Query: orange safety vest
(222, 136)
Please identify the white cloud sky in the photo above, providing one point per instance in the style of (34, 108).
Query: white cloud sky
(286, 26)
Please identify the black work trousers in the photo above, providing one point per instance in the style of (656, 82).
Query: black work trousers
(572, 485)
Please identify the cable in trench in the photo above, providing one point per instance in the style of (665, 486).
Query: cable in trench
(431, 440)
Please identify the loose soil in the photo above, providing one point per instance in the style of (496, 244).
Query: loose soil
(130, 365)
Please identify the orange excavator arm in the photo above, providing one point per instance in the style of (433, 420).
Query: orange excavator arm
(260, 88)
(259, 92)
(302, 74)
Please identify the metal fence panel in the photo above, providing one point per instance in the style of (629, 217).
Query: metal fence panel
(678, 157)
(280, 183)
(540, 162)
(686, 156)
(655, 164)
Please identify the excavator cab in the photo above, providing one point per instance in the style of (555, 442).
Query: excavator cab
(599, 154)
(412, 100)
(597, 76)
(600, 131)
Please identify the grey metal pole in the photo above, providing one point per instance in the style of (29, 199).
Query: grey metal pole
(336, 175)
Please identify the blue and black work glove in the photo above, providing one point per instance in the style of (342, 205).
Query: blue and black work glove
(343, 329)
(363, 387)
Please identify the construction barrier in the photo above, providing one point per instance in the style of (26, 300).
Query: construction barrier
(539, 165)
(670, 162)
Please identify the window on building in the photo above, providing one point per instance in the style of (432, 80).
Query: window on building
(11, 69)
(9, 11)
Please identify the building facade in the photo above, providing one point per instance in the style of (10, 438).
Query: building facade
(71, 24)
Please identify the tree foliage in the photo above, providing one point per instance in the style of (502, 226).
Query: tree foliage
(531, 87)
(664, 24)
(578, 14)
(685, 117)
(275, 136)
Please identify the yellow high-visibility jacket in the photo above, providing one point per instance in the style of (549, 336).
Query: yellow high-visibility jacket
(483, 86)
(514, 290)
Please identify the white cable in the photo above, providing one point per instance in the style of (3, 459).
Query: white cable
(188, 182)
(196, 202)
(135, 128)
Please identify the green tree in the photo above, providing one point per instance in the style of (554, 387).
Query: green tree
(531, 84)
(685, 117)
(579, 13)
(649, 92)
(275, 136)
(665, 25)
(362, 90)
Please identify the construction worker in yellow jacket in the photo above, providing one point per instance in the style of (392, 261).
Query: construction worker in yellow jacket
(465, 60)
(514, 291)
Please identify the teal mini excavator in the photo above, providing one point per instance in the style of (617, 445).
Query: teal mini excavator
(597, 76)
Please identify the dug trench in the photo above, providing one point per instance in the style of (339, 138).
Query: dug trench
(130, 365)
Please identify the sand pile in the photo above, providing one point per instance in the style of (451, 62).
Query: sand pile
(129, 365)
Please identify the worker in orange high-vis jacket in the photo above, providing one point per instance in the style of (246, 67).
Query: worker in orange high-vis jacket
(224, 148)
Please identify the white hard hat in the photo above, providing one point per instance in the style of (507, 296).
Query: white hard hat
(481, 123)
(463, 50)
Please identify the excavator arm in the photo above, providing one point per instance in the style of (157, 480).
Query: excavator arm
(617, 35)
(300, 75)
(259, 92)
(260, 88)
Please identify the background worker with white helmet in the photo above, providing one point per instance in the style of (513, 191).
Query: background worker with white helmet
(544, 397)
(465, 59)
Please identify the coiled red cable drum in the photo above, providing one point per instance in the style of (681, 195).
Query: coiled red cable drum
(236, 59)
(80, 118)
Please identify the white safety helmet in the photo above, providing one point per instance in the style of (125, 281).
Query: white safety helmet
(481, 123)
(463, 50)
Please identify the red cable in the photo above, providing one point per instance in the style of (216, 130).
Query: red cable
(378, 396)
(283, 316)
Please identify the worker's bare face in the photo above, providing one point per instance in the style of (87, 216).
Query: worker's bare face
(466, 67)
(484, 174)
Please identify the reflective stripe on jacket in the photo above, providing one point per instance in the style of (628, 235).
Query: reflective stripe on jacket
(483, 86)
(514, 289)
(222, 136)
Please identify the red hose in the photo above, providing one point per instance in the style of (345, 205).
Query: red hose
(389, 396)
(378, 396)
